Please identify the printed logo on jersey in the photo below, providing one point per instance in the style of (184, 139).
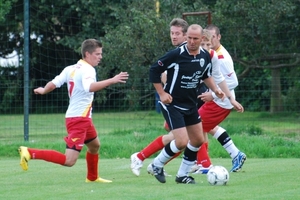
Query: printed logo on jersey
(189, 82)
(160, 63)
(202, 62)
(229, 74)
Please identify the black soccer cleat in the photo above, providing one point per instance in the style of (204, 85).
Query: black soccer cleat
(159, 173)
(185, 180)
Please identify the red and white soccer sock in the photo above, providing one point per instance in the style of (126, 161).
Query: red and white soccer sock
(203, 157)
(155, 146)
(47, 155)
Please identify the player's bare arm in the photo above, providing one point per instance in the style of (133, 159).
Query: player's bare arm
(223, 86)
(45, 90)
(206, 96)
(237, 106)
(119, 78)
(164, 78)
(164, 97)
(211, 84)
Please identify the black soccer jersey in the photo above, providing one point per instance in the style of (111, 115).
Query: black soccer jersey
(184, 72)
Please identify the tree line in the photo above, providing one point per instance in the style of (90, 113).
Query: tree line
(261, 36)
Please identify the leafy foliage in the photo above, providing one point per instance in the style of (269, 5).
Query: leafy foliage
(135, 34)
(255, 34)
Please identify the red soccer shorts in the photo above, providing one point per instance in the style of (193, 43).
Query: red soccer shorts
(212, 115)
(80, 130)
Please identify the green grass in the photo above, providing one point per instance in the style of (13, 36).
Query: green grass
(260, 179)
(260, 135)
(271, 171)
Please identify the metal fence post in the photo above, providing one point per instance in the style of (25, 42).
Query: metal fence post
(26, 69)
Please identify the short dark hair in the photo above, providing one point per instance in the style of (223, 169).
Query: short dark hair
(89, 45)
(180, 23)
(213, 27)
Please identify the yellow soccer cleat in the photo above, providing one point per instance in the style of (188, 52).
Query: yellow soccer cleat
(25, 157)
(99, 180)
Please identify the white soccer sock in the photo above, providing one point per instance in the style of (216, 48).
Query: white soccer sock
(186, 165)
(229, 146)
(219, 132)
(231, 149)
(163, 157)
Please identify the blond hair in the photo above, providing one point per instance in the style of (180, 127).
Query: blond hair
(206, 35)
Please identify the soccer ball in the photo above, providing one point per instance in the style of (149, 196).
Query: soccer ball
(218, 175)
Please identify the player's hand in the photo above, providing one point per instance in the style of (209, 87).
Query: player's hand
(165, 98)
(39, 90)
(206, 96)
(121, 77)
(237, 106)
(219, 93)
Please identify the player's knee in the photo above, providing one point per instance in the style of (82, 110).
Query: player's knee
(94, 149)
(70, 163)
(181, 144)
(167, 138)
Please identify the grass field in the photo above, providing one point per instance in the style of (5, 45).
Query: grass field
(270, 179)
(271, 171)
(260, 135)
(46, 125)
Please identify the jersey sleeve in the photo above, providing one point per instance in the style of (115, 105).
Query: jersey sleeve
(229, 73)
(88, 77)
(216, 73)
(160, 66)
(60, 79)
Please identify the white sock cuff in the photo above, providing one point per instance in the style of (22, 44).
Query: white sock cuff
(173, 147)
(219, 132)
(189, 146)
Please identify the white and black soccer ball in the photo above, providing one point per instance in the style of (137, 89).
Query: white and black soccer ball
(218, 175)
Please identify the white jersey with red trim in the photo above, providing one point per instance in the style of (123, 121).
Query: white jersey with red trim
(78, 78)
(216, 72)
(227, 69)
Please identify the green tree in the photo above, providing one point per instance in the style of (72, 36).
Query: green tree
(5, 7)
(140, 38)
(258, 34)
(133, 35)
(261, 35)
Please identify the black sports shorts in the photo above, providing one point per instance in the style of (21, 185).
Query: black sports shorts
(178, 118)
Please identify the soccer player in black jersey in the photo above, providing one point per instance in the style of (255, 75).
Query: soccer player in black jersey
(185, 66)
(178, 29)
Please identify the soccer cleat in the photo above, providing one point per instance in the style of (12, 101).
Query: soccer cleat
(136, 164)
(185, 180)
(195, 167)
(200, 169)
(98, 180)
(150, 170)
(158, 173)
(238, 162)
(25, 157)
